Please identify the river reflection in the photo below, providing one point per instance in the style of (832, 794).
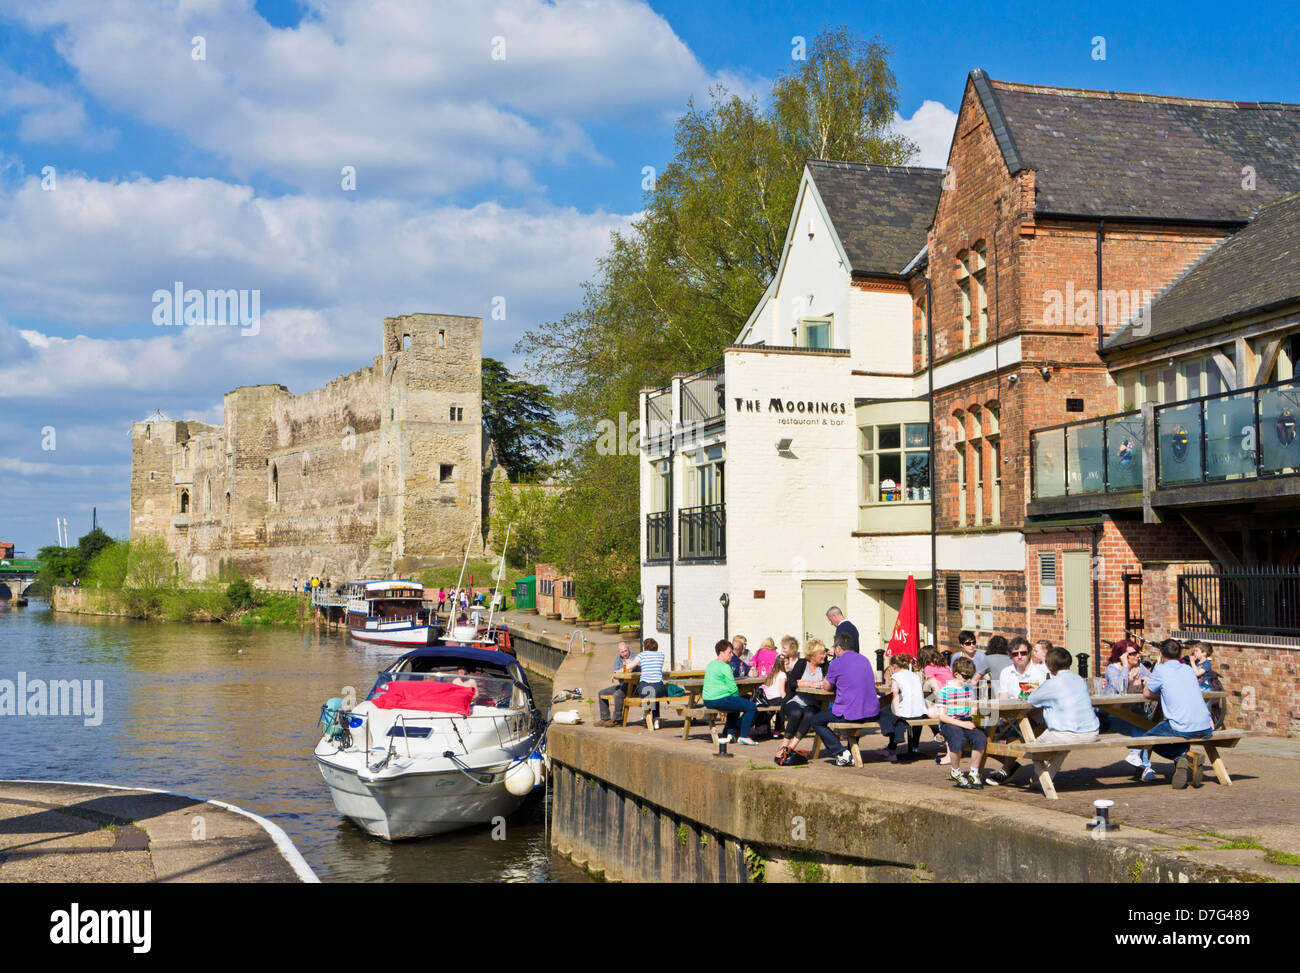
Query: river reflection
(229, 712)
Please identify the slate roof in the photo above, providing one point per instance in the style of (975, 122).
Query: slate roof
(1255, 270)
(1113, 154)
(880, 213)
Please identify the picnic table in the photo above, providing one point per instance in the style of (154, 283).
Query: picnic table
(695, 710)
(1042, 754)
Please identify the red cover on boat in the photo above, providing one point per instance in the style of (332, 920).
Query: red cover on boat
(433, 697)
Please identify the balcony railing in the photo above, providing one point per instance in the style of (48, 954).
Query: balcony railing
(703, 533)
(1101, 455)
(1232, 436)
(703, 397)
(659, 415)
(1243, 601)
(657, 547)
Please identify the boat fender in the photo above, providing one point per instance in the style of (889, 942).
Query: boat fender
(538, 763)
(520, 779)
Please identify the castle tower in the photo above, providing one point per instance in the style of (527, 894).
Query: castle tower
(431, 434)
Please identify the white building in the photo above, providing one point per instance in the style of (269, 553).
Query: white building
(797, 474)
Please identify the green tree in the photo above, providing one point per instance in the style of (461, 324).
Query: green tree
(528, 511)
(519, 417)
(107, 569)
(92, 543)
(676, 287)
(59, 565)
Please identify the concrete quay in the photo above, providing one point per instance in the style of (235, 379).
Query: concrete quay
(68, 832)
(635, 805)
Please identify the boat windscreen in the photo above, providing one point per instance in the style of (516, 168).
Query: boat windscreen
(490, 690)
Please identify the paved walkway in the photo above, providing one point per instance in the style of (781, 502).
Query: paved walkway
(1262, 806)
(57, 832)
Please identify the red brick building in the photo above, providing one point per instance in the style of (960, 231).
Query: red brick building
(1063, 214)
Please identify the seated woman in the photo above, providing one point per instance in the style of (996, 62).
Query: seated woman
(799, 710)
(1127, 675)
(764, 658)
(721, 693)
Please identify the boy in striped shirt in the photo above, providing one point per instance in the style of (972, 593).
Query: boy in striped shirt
(651, 663)
(955, 712)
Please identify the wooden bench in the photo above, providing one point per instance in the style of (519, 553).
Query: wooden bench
(1042, 753)
(647, 704)
(850, 732)
(702, 714)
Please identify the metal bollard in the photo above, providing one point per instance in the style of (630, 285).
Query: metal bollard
(1083, 664)
(880, 660)
(1101, 822)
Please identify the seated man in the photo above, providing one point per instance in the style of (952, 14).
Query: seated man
(720, 693)
(618, 691)
(856, 699)
(1066, 705)
(1186, 714)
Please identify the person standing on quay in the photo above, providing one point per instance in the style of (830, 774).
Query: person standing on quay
(843, 627)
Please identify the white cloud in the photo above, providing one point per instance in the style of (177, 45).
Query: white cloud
(45, 114)
(91, 254)
(930, 127)
(408, 93)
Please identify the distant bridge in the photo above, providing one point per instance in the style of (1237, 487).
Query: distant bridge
(17, 575)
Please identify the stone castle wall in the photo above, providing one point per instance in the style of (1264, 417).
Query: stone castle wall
(374, 474)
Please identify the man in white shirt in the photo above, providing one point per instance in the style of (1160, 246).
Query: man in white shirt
(1022, 669)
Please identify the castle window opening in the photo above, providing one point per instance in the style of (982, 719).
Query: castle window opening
(445, 472)
(457, 413)
(185, 501)
(406, 342)
(442, 339)
(274, 495)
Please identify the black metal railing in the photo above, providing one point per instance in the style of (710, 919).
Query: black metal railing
(702, 532)
(1248, 601)
(659, 415)
(1102, 455)
(1240, 435)
(703, 396)
(657, 547)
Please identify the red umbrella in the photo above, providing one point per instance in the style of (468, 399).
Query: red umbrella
(906, 638)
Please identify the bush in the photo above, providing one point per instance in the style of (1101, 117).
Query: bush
(241, 596)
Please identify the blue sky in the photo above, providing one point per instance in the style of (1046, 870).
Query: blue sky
(476, 177)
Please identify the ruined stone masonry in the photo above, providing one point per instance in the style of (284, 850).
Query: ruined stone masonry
(379, 473)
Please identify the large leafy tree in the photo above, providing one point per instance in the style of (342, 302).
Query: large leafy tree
(519, 418)
(677, 286)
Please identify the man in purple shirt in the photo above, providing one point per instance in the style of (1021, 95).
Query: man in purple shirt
(856, 700)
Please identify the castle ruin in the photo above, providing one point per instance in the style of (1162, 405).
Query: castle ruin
(377, 474)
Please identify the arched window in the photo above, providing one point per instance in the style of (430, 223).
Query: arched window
(979, 291)
(977, 464)
(959, 449)
(992, 433)
(274, 493)
(963, 286)
(227, 503)
(185, 501)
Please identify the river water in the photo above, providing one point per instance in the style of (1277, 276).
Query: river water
(229, 712)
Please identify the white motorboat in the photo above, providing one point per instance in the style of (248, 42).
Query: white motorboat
(389, 613)
(448, 738)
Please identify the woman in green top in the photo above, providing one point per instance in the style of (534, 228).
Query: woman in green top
(720, 693)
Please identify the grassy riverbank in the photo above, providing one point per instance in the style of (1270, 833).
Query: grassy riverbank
(209, 603)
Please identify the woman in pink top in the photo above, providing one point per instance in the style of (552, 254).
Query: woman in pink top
(763, 658)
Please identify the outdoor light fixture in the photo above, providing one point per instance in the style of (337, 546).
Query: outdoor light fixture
(1046, 372)
(1013, 378)
(640, 598)
(783, 445)
(724, 600)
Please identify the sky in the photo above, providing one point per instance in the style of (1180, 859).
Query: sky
(349, 161)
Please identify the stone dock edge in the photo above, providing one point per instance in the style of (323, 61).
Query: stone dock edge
(270, 854)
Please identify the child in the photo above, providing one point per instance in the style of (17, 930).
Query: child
(935, 670)
(1202, 664)
(954, 712)
(772, 692)
(908, 704)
